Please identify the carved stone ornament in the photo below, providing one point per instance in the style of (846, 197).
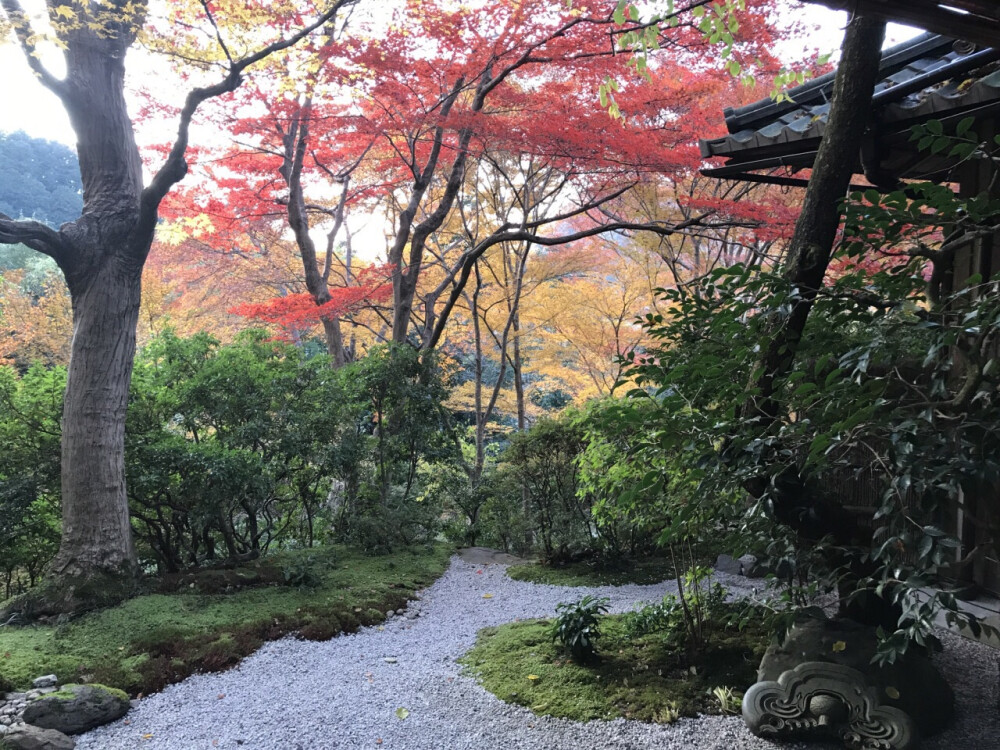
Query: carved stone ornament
(819, 700)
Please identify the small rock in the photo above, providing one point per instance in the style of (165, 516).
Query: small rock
(27, 737)
(390, 660)
(46, 681)
(751, 567)
(400, 611)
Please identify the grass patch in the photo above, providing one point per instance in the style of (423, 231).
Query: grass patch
(159, 638)
(637, 678)
(595, 572)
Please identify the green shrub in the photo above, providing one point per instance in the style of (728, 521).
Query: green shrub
(302, 571)
(30, 410)
(682, 619)
(577, 627)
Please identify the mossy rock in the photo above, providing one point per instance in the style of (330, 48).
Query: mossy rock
(75, 709)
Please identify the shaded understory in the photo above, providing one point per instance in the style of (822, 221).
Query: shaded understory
(641, 677)
(596, 572)
(210, 620)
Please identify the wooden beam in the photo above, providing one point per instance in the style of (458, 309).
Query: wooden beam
(981, 24)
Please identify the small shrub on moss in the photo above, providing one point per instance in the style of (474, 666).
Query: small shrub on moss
(301, 571)
(578, 626)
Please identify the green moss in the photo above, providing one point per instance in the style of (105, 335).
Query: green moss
(66, 693)
(638, 678)
(591, 573)
(153, 640)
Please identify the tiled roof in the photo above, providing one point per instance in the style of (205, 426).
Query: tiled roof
(924, 78)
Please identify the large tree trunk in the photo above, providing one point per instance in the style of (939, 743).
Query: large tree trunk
(96, 534)
(102, 254)
(812, 243)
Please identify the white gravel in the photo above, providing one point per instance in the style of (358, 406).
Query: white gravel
(344, 694)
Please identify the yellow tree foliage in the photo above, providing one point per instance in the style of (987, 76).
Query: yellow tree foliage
(35, 324)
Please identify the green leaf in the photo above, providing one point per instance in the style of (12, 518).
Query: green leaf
(402, 713)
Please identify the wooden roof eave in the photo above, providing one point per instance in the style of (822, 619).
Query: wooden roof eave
(976, 21)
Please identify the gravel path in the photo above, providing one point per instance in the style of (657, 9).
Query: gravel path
(343, 694)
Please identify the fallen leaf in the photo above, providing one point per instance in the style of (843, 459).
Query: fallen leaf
(839, 646)
(147, 736)
(892, 692)
(220, 696)
(402, 713)
(487, 596)
(533, 677)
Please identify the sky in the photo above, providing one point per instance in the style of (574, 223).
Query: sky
(26, 105)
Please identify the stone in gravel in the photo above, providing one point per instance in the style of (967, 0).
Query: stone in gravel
(751, 567)
(727, 564)
(27, 737)
(46, 681)
(912, 684)
(77, 708)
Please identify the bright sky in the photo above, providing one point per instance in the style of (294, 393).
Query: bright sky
(28, 106)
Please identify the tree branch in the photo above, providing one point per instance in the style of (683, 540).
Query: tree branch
(175, 167)
(25, 34)
(35, 235)
(521, 235)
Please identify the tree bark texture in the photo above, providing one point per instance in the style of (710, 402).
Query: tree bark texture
(815, 232)
(104, 251)
(802, 508)
(96, 534)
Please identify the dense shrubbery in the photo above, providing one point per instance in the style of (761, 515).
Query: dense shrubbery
(30, 407)
(552, 491)
(233, 450)
(893, 392)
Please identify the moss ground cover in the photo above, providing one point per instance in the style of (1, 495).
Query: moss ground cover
(159, 638)
(636, 677)
(592, 573)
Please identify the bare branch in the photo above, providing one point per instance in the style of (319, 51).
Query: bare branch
(504, 234)
(35, 235)
(25, 35)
